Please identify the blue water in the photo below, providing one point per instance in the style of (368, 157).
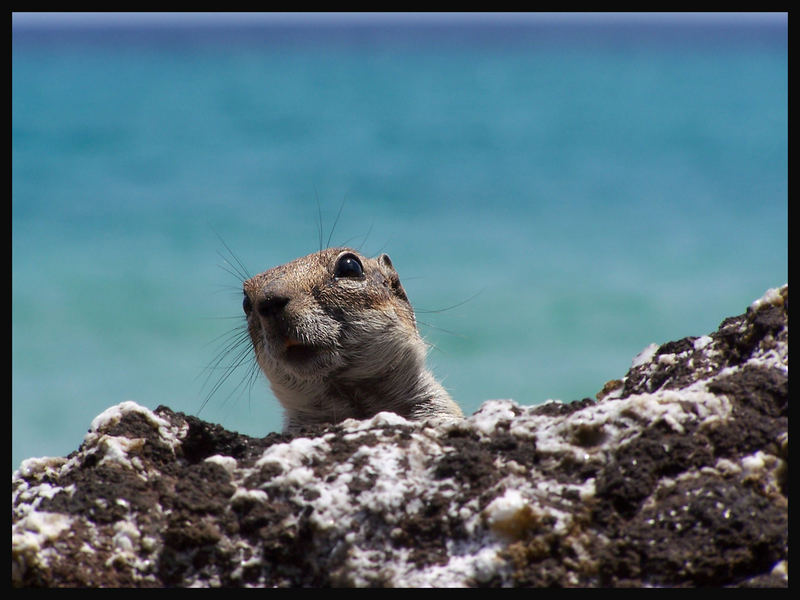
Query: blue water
(574, 191)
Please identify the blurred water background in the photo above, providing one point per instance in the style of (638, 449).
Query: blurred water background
(575, 187)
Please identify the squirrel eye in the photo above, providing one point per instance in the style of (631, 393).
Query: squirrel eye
(348, 265)
(247, 305)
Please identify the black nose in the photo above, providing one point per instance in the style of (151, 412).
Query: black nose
(271, 305)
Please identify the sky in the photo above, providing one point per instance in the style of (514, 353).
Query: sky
(232, 18)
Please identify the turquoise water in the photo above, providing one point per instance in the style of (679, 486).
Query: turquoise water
(574, 193)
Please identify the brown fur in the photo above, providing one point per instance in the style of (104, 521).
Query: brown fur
(340, 347)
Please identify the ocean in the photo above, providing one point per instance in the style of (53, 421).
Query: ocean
(556, 194)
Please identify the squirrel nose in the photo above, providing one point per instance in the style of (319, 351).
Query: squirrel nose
(271, 304)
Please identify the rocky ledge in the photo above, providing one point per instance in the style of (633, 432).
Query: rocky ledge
(676, 475)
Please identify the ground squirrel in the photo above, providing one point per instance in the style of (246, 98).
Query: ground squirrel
(336, 336)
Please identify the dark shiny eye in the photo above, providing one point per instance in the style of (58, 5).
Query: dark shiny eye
(247, 305)
(348, 265)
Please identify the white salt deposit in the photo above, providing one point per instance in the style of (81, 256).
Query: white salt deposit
(773, 297)
(645, 356)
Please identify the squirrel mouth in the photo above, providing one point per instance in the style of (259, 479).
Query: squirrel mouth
(297, 351)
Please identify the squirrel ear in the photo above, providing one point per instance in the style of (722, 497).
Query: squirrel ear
(394, 279)
(384, 258)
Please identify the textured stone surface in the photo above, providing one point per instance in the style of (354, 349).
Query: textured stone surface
(676, 475)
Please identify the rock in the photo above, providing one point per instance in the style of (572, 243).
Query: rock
(677, 475)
